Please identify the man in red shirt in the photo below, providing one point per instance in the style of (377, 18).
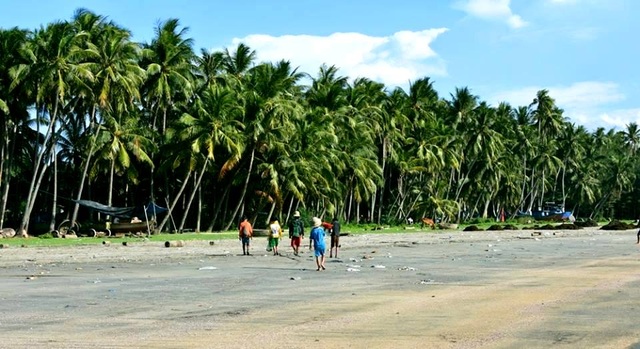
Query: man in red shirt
(245, 235)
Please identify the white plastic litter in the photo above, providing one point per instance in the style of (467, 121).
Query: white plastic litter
(407, 268)
(207, 268)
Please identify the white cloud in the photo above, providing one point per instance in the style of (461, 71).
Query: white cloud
(620, 118)
(590, 103)
(492, 10)
(394, 60)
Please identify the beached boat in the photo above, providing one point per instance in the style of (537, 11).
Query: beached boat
(553, 212)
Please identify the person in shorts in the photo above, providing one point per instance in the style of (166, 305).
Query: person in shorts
(245, 235)
(296, 232)
(317, 238)
(275, 234)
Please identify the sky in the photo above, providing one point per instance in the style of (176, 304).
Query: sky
(585, 52)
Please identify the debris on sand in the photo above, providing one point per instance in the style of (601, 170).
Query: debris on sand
(472, 228)
(568, 226)
(618, 225)
(178, 243)
(207, 268)
(378, 266)
(353, 269)
(586, 223)
(407, 268)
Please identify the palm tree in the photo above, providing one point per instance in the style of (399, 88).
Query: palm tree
(212, 122)
(547, 117)
(113, 60)
(268, 110)
(13, 107)
(51, 66)
(119, 140)
(167, 60)
(631, 135)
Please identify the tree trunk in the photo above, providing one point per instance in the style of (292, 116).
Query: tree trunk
(29, 209)
(4, 181)
(532, 199)
(54, 204)
(218, 207)
(485, 211)
(193, 194)
(524, 182)
(112, 170)
(37, 177)
(290, 207)
(199, 217)
(384, 181)
(244, 191)
(349, 207)
(542, 190)
(564, 195)
(85, 169)
(273, 207)
(175, 201)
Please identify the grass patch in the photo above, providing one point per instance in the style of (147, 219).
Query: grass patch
(48, 241)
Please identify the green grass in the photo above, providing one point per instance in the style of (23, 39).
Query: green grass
(53, 242)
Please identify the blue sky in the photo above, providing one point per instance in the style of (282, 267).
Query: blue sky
(583, 51)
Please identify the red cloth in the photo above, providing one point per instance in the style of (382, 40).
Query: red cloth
(327, 225)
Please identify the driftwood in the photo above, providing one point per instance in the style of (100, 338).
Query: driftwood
(178, 243)
(7, 233)
(119, 229)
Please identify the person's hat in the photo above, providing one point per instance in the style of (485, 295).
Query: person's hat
(296, 214)
(316, 222)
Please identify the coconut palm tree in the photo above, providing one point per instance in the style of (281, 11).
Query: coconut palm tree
(168, 63)
(268, 108)
(53, 69)
(210, 124)
(631, 135)
(13, 107)
(120, 141)
(113, 60)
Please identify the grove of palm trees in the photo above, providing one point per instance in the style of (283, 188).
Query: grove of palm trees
(87, 113)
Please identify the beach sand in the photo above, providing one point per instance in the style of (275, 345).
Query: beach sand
(448, 289)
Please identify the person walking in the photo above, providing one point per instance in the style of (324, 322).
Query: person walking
(296, 232)
(317, 238)
(274, 237)
(335, 237)
(245, 235)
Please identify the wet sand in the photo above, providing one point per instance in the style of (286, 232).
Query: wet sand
(574, 289)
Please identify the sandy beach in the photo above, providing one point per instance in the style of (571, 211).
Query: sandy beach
(449, 289)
